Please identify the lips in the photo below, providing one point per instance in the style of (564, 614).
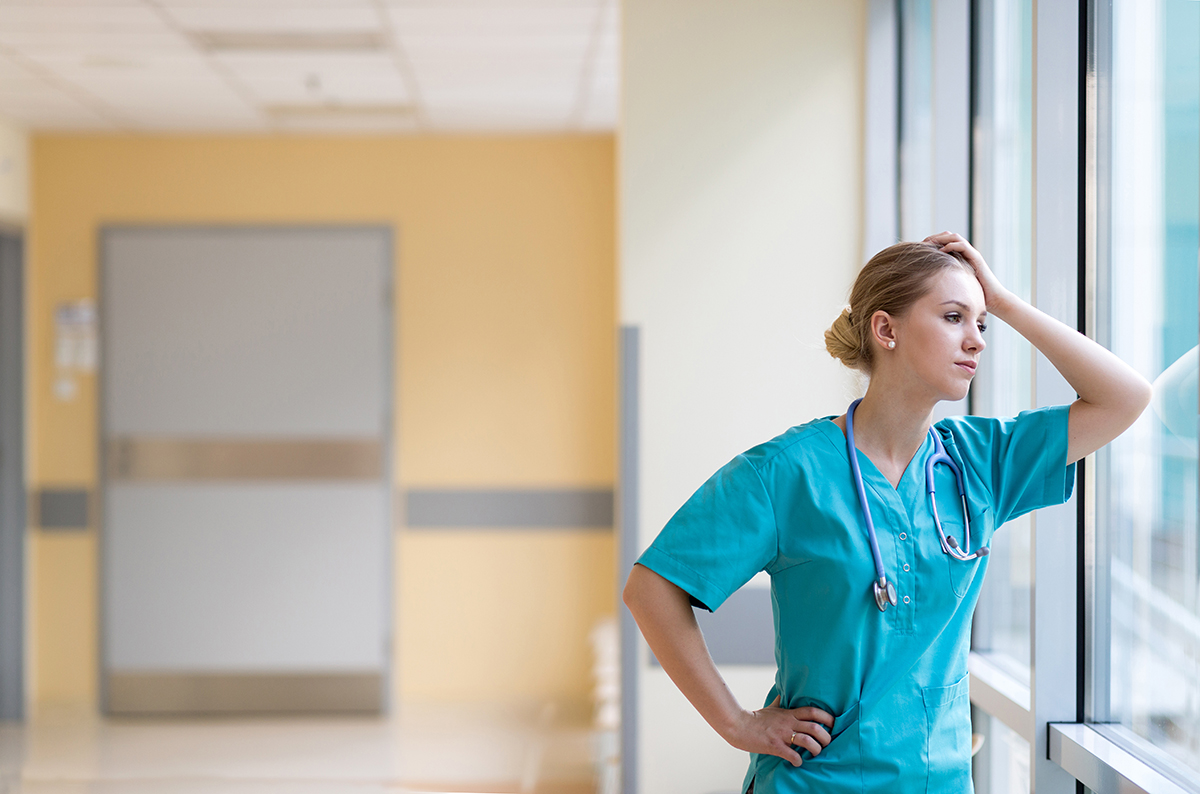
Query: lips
(969, 366)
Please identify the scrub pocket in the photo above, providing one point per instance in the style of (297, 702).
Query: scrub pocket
(841, 724)
(948, 746)
(839, 766)
(838, 769)
(963, 573)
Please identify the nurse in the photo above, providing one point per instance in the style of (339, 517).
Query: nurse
(871, 696)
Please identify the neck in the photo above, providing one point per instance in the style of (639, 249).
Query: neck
(890, 424)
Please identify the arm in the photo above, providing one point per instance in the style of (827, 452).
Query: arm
(664, 614)
(1112, 395)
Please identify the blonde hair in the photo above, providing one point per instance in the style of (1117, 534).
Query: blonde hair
(894, 279)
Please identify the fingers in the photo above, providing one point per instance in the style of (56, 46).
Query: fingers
(951, 241)
(792, 731)
(807, 741)
(815, 730)
(966, 249)
(963, 248)
(788, 754)
(810, 736)
(813, 714)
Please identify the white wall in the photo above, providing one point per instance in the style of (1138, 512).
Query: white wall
(14, 174)
(741, 226)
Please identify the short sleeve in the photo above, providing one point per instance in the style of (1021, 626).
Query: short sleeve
(1021, 461)
(721, 537)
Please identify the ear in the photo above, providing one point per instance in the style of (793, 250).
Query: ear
(883, 330)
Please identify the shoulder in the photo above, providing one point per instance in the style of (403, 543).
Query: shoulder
(1026, 440)
(795, 447)
(989, 429)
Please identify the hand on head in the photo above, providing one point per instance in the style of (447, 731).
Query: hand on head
(994, 293)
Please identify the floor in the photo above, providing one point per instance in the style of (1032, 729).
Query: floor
(424, 748)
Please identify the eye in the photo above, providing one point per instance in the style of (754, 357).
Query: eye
(954, 317)
(982, 327)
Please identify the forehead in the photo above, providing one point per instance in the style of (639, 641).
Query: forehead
(954, 284)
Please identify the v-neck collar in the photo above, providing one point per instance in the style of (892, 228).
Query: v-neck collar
(871, 473)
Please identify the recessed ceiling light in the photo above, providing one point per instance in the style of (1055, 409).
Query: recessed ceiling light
(290, 41)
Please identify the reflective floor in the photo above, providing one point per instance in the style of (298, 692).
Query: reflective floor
(424, 748)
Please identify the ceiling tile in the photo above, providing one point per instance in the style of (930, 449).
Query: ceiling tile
(536, 5)
(346, 122)
(318, 78)
(497, 119)
(103, 63)
(493, 22)
(260, 16)
(43, 107)
(86, 43)
(18, 20)
(283, 4)
(198, 116)
(503, 65)
(73, 3)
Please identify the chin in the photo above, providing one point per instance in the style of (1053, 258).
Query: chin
(955, 393)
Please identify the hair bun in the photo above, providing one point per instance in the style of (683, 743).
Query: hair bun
(842, 341)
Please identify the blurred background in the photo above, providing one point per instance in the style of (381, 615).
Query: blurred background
(351, 351)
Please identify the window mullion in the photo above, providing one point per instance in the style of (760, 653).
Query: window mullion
(1055, 288)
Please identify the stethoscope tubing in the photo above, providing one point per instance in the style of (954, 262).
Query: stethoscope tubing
(862, 491)
(885, 592)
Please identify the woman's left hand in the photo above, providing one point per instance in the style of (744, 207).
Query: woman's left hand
(994, 293)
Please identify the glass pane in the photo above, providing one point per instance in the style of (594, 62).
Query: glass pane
(1146, 616)
(916, 119)
(1002, 764)
(1002, 226)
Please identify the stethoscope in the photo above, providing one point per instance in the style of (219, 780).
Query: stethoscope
(885, 591)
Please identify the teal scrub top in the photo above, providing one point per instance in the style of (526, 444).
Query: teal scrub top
(895, 681)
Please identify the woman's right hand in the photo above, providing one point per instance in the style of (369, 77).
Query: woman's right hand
(777, 731)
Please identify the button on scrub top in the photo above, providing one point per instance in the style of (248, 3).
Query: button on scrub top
(895, 681)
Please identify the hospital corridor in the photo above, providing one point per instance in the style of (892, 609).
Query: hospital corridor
(354, 353)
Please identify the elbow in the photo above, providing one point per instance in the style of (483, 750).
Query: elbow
(1147, 395)
(1136, 401)
(1142, 397)
(629, 596)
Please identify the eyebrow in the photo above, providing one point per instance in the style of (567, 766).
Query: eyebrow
(961, 305)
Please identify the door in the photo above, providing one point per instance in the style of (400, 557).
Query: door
(245, 466)
(12, 480)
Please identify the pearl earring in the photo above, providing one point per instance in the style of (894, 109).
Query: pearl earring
(891, 345)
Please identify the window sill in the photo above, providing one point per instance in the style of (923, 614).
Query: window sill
(1106, 767)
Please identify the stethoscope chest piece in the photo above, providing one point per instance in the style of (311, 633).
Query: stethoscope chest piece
(885, 593)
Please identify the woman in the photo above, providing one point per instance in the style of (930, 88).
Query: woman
(871, 692)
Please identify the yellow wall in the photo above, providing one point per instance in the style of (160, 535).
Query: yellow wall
(505, 335)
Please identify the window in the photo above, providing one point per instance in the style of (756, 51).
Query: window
(1144, 631)
(1085, 199)
(1002, 230)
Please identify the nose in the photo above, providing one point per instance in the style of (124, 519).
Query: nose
(975, 342)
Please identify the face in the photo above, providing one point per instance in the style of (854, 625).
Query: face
(939, 339)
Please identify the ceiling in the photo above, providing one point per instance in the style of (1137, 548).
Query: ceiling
(310, 65)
